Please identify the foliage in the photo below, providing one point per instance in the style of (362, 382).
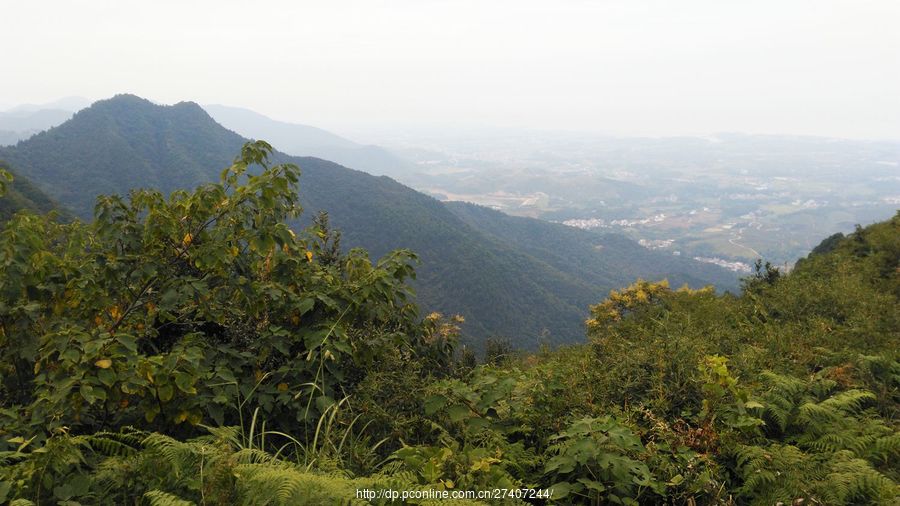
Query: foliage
(166, 310)
(194, 349)
(594, 458)
(20, 194)
(532, 286)
(128, 466)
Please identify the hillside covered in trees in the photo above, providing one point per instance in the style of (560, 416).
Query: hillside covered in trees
(515, 286)
(22, 194)
(194, 349)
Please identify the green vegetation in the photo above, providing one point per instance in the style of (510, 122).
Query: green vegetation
(468, 266)
(21, 194)
(193, 349)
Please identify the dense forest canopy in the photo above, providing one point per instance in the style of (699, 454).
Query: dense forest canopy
(192, 348)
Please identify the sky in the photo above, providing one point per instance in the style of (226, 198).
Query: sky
(621, 67)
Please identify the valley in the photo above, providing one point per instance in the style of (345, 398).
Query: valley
(730, 197)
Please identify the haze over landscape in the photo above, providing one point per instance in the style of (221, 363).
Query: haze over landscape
(624, 68)
(570, 252)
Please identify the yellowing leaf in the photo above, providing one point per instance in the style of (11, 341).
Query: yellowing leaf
(282, 387)
(188, 239)
(103, 363)
(309, 256)
(483, 464)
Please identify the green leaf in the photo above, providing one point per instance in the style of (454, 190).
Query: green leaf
(592, 485)
(217, 413)
(562, 490)
(324, 402)
(434, 403)
(165, 392)
(5, 487)
(477, 423)
(676, 480)
(87, 393)
(185, 382)
(457, 412)
(305, 305)
(106, 376)
(128, 342)
(71, 354)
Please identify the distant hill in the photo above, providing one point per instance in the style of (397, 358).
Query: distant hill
(21, 124)
(24, 120)
(303, 140)
(473, 263)
(70, 104)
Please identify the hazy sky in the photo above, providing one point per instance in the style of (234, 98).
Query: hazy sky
(661, 67)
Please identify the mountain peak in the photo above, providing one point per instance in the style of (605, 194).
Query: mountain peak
(130, 100)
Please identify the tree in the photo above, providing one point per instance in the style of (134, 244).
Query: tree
(171, 312)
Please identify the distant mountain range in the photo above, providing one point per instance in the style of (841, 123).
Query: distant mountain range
(18, 125)
(303, 140)
(521, 278)
(23, 121)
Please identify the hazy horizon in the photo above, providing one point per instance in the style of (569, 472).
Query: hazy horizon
(619, 68)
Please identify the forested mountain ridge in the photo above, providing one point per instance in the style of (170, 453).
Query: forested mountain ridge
(501, 288)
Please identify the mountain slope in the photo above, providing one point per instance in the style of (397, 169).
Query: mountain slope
(22, 194)
(501, 288)
(601, 259)
(304, 140)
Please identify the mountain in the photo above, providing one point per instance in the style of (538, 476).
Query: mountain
(474, 267)
(23, 194)
(70, 104)
(304, 140)
(19, 124)
(23, 121)
(600, 259)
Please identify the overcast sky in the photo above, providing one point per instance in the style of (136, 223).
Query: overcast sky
(663, 67)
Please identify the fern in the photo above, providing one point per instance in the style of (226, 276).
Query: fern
(160, 498)
(827, 447)
(21, 502)
(786, 474)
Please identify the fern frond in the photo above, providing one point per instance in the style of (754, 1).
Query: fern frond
(160, 498)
